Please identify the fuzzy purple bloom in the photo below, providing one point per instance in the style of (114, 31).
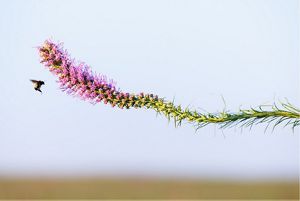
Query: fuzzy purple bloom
(75, 78)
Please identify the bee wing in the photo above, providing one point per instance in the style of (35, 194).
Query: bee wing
(34, 81)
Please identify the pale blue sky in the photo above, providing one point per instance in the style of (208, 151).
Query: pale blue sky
(195, 51)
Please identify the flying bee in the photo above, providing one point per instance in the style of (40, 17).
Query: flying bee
(37, 84)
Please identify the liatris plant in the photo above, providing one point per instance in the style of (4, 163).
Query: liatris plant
(78, 79)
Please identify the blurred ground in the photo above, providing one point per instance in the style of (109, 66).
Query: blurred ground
(128, 188)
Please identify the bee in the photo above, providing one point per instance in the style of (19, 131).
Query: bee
(37, 84)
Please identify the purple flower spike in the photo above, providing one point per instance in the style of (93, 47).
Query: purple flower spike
(74, 78)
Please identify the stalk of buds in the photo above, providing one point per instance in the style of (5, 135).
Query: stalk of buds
(77, 79)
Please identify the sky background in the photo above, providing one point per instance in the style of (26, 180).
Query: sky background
(195, 51)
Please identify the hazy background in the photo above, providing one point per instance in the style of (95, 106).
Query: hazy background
(195, 51)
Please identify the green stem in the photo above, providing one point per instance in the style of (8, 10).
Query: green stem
(225, 119)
